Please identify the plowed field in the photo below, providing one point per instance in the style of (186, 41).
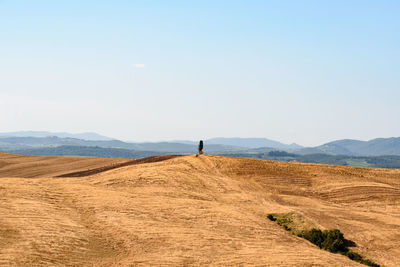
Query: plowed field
(178, 211)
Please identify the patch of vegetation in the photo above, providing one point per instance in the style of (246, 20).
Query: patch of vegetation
(280, 220)
(358, 163)
(291, 221)
(332, 240)
(271, 217)
(358, 258)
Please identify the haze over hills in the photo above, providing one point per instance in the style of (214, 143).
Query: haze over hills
(375, 147)
(252, 143)
(21, 143)
(189, 210)
(380, 152)
(83, 136)
(31, 139)
(227, 142)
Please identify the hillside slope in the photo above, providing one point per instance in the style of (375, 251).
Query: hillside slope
(13, 165)
(191, 210)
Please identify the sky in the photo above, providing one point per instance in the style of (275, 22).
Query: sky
(306, 71)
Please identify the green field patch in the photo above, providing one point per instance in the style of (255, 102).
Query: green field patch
(361, 163)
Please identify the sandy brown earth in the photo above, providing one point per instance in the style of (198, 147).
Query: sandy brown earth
(190, 210)
(13, 165)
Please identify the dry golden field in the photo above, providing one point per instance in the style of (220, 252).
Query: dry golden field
(179, 211)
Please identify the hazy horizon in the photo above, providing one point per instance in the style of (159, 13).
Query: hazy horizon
(188, 140)
(306, 72)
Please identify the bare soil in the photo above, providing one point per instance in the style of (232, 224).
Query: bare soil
(184, 211)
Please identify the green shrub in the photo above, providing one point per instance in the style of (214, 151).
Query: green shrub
(353, 256)
(369, 263)
(315, 236)
(358, 258)
(331, 240)
(334, 241)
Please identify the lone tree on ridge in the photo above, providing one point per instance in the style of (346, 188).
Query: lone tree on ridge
(201, 147)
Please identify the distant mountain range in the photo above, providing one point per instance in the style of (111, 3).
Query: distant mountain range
(375, 147)
(80, 139)
(8, 144)
(83, 136)
(248, 143)
(252, 143)
(18, 141)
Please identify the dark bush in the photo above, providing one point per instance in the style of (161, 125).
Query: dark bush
(271, 217)
(331, 240)
(369, 263)
(354, 256)
(334, 241)
(315, 236)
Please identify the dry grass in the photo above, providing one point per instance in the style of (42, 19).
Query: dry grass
(191, 210)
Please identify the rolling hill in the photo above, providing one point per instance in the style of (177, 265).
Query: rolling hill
(375, 147)
(189, 210)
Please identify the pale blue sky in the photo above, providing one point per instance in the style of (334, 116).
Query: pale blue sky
(294, 71)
